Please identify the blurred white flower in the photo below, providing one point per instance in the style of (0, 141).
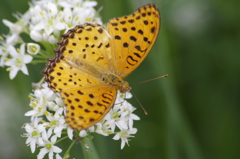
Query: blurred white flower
(105, 128)
(83, 133)
(3, 53)
(56, 122)
(33, 48)
(127, 114)
(49, 147)
(45, 93)
(124, 135)
(56, 104)
(33, 134)
(36, 36)
(38, 108)
(15, 28)
(18, 60)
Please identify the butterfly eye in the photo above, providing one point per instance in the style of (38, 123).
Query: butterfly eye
(104, 79)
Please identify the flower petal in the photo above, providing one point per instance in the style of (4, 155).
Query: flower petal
(70, 133)
(35, 35)
(13, 72)
(27, 58)
(33, 146)
(56, 149)
(50, 155)
(24, 69)
(83, 133)
(116, 137)
(22, 49)
(42, 153)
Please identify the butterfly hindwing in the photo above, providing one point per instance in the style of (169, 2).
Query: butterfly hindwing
(87, 106)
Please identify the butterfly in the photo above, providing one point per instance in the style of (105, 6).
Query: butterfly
(91, 62)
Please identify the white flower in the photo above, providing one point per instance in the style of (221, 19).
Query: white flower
(49, 147)
(20, 25)
(18, 61)
(111, 117)
(124, 135)
(13, 39)
(56, 104)
(46, 18)
(127, 114)
(34, 131)
(57, 122)
(35, 35)
(87, 15)
(83, 133)
(33, 48)
(120, 99)
(45, 93)
(52, 39)
(14, 28)
(105, 128)
(86, 132)
(3, 53)
(38, 106)
(89, 4)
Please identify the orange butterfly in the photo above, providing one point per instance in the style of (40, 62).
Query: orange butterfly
(91, 63)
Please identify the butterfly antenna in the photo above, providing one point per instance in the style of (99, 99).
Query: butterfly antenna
(145, 112)
(150, 79)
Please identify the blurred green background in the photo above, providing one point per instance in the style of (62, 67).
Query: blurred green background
(193, 114)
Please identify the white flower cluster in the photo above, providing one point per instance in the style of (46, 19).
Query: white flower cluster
(44, 22)
(48, 123)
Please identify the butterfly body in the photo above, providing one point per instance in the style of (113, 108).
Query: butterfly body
(91, 63)
(107, 77)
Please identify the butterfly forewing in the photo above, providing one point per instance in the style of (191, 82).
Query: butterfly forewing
(60, 76)
(82, 56)
(132, 37)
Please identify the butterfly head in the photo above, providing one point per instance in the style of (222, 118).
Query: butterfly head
(125, 87)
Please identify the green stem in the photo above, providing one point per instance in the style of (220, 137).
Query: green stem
(69, 148)
(41, 56)
(49, 48)
(89, 150)
(46, 54)
(38, 61)
(63, 138)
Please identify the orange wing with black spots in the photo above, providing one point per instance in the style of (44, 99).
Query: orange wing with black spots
(82, 58)
(133, 37)
(87, 106)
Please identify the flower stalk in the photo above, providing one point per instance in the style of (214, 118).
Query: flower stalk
(88, 148)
